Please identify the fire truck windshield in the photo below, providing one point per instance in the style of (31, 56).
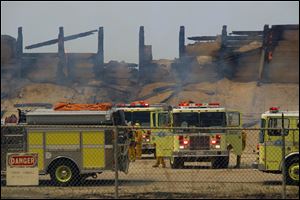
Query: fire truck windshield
(186, 119)
(208, 119)
(143, 117)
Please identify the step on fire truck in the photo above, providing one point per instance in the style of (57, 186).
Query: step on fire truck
(271, 143)
(146, 115)
(71, 145)
(191, 145)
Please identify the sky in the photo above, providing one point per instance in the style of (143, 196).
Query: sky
(121, 21)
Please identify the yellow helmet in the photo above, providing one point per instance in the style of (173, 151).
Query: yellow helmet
(137, 124)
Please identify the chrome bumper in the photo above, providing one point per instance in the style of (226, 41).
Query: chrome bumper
(202, 153)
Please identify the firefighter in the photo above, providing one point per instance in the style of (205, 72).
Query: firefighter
(238, 157)
(138, 141)
(131, 150)
(159, 145)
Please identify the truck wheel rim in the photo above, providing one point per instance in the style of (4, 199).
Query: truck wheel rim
(294, 171)
(63, 174)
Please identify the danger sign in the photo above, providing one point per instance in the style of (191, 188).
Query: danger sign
(22, 169)
(22, 160)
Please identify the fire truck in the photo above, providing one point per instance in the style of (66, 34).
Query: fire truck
(146, 115)
(270, 145)
(71, 145)
(192, 145)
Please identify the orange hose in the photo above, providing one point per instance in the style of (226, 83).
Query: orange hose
(77, 107)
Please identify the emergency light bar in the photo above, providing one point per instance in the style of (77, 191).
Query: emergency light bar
(274, 109)
(139, 104)
(214, 104)
(199, 105)
(132, 105)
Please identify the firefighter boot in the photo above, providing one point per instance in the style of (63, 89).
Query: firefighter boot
(162, 162)
(238, 161)
(157, 162)
(131, 152)
(138, 151)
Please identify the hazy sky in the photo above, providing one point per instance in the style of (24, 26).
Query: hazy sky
(121, 21)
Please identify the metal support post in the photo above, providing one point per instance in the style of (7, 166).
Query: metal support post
(116, 163)
(283, 160)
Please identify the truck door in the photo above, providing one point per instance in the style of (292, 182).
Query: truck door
(262, 144)
(163, 138)
(153, 120)
(234, 137)
(273, 142)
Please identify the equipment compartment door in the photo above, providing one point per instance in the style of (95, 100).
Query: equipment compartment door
(93, 149)
(36, 145)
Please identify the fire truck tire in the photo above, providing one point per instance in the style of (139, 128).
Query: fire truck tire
(176, 163)
(64, 172)
(221, 162)
(292, 171)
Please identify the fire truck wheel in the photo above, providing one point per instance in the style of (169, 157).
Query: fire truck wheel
(176, 163)
(220, 162)
(64, 172)
(292, 171)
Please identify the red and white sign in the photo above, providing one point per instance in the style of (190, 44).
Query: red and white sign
(22, 169)
(22, 160)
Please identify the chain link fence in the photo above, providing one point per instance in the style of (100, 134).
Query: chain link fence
(96, 162)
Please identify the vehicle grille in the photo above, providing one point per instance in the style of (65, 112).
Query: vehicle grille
(199, 142)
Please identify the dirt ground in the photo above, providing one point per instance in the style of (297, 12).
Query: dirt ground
(143, 181)
(195, 180)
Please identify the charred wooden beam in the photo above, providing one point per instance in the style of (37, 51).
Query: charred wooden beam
(264, 52)
(99, 59)
(286, 27)
(202, 38)
(148, 53)
(61, 45)
(141, 46)
(250, 33)
(100, 52)
(181, 42)
(224, 36)
(19, 48)
(244, 37)
(61, 56)
(54, 41)
(19, 52)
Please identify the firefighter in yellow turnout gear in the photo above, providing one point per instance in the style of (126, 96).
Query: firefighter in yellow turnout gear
(162, 145)
(131, 149)
(138, 141)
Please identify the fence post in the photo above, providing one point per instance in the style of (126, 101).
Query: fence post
(283, 159)
(116, 163)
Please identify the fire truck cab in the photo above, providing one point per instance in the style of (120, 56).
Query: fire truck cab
(146, 115)
(271, 140)
(209, 145)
